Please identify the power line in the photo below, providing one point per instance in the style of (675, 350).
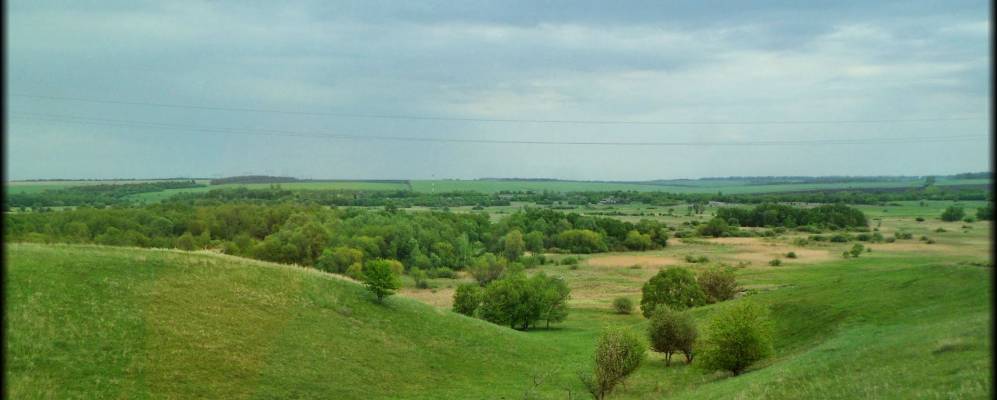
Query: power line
(495, 120)
(182, 128)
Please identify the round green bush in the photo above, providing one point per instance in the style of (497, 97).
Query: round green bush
(623, 305)
(674, 287)
(735, 338)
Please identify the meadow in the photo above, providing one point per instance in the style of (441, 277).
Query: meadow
(909, 319)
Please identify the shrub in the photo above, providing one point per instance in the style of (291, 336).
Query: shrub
(736, 338)
(919, 219)
(420, 278)
(717, 227)
(985, 213)
(637, 241)
(467, 298)
(891, 239)
(380, 278)
(840, 238)
(969, 220)
(800, 242)
(355, 271)
(672, 332)
(953, 213)
(623, 305)
(442, 272)
(876, 237)
(487, 267)
(689, 258)
(339, 259)
(718, 284)
(618, 353)
(903, 235)
(940, 230)
(857, 250)
(791, 254)
(569, 260)
(580, 241)
(674, 287)
(775, 262)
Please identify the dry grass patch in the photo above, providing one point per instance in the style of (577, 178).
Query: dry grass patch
(627, 260)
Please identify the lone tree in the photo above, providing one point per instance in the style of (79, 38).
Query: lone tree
(736, 338)
(380, 278)
(674, 287)
(672, 332)
(467, 298)
(718, 284)
(618, 353)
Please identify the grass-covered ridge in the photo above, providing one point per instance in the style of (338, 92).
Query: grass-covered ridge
(89, 321)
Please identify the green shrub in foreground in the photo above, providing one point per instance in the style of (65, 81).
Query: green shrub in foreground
(672, 332)
(736, 338)
(618, 353)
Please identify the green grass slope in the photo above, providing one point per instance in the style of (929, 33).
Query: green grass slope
(93, 322)
(97, 322)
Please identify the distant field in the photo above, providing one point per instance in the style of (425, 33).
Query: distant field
(493, 186)
(39, 186)
(331, 185)
(730, 187)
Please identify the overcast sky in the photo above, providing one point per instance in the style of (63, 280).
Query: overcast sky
(448, 62)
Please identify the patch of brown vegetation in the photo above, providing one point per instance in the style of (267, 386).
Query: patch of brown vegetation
(441, 297)
(626, 260)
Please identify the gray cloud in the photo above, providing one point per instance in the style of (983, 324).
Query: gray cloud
(532, 60)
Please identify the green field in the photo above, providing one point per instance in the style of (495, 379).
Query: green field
(332, 185)
(908, 320)
(728, 187)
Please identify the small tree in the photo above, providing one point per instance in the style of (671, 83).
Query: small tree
(380, 278)
(513, 245)
(534, 241)
(672, 332)
(674, 287)
(618, 353)
(467, 298)
(737, 337)
(718, 284)
(510, 301)
(953, 213)
(554, 294)
(623, 305)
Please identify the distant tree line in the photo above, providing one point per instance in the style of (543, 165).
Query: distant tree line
(336, 239)
(832, 215)
(93, 195)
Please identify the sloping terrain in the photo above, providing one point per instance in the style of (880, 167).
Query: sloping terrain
(102, 322)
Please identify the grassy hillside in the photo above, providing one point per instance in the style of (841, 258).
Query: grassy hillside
(129, 323)
(89, 321)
